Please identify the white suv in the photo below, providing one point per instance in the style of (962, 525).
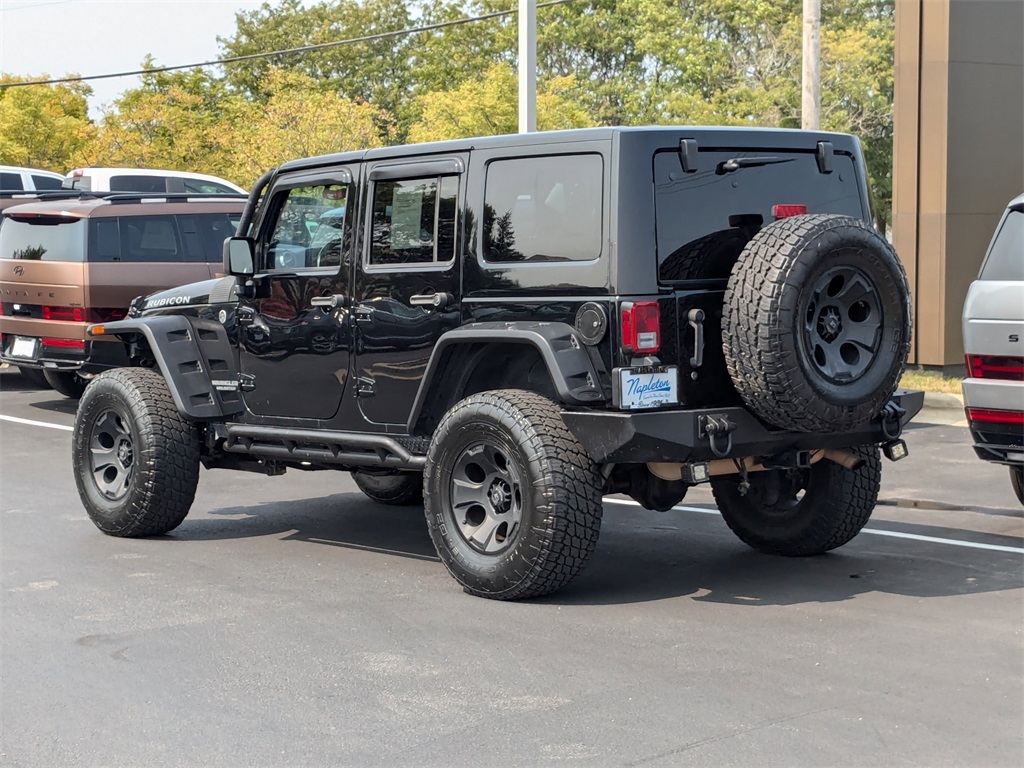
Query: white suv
(14, 178)
(993, 326)
(154, 180)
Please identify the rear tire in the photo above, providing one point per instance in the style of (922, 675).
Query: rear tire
(1017, 482)
(34, 376)
(135, 459)
(513, 502)
(402, 490)
(801, 512)
(68, 383)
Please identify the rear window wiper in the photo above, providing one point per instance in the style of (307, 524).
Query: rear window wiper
(749, 162)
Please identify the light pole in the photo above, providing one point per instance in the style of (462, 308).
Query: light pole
(527, 66)
(810, 104)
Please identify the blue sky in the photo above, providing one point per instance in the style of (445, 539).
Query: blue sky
(100, 36)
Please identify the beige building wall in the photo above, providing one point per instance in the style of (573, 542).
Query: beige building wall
(958, 152)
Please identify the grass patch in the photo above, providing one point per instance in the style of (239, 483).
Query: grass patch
(930, 382)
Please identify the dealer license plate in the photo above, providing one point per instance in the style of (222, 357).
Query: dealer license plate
(24, 347)
(648, 387)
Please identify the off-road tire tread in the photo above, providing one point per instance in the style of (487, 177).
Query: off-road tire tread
(34, 376)
(569, 481)
(838, 516)
(407, 490)
(758, 341)
(1017, 482)
(173, 469)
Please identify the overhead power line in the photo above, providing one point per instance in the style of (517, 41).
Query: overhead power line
(287, 51)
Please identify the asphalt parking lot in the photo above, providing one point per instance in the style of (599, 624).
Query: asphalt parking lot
(290, 622)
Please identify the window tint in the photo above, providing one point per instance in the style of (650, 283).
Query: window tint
(138, 184)
(414, 221)
(104, 240)
(543, 209)
(10, 181)
(207, 187)
(46, 182)
(150, 238)
(302, 212)
(1006, 257)
(704, 219)
(214, 229)
(50, 238)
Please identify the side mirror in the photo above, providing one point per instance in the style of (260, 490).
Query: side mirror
(238, 256)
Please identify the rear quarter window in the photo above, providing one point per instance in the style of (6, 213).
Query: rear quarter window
(138, 184)
(1005, 260)
(543, 209)
(46, 182)
(10, 181)
(44, 238)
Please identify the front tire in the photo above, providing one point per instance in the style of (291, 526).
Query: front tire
(513, 502)
(135, 459)
(802, 512)
(68, 383)
(402, 490)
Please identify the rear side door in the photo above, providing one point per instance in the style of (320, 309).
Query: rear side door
(407, 291)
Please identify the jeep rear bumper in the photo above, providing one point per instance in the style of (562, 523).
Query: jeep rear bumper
(683, 436)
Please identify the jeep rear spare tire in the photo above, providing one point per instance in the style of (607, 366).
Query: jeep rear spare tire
(816, 323)
(135, 459)
(513, 502)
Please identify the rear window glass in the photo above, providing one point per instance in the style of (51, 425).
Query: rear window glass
(539, 209)
(704, 219)
(46, 182)
(50, 238)
(413, 221)
(1006, 256)
(208, 187)
(138, 184)
(151, 238)
(10, 181)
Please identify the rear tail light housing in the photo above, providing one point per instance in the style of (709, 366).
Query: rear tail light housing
(641, 327)
(991, 416)
(63, 343)
(68, 314)
(995, 367)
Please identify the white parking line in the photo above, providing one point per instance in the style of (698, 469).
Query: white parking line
(32, 423)
(876, 531)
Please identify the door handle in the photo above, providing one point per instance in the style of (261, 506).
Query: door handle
(363, 314)
(431, 300)
(330, 302)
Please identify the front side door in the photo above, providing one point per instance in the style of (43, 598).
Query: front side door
(407, 291)
(294, 334)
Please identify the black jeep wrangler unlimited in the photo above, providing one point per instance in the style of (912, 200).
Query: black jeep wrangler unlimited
(505, 329)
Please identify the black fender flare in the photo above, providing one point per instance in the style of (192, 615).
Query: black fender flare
(568, 363)
(196, 359)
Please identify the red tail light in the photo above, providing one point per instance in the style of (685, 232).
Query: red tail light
(641, 327)
(995, 367)
(784, 211)
(107, 314)
(70, 314)
(67, 343)
(989, 416)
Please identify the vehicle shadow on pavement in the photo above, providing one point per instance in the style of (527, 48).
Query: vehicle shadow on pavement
(58, 405)
(648, 557)
(636, 566)
(346, 520)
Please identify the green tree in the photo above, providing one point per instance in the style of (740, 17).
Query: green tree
(488, 106)
(172, 120)
(44, 126)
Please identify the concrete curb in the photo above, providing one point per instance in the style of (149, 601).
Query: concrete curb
(943, 408)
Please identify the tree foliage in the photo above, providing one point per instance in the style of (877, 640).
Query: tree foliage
(44, 126)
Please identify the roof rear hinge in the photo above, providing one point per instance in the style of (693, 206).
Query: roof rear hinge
(824, 157)
(688, 155)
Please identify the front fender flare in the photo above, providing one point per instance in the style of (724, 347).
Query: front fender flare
(196, 359)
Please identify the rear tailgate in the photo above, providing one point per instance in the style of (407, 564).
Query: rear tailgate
(704, 218)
